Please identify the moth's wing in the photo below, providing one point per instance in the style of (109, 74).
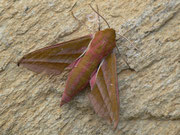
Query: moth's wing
(104, 94)
(53, 59)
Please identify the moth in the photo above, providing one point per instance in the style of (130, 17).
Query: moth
(92, 60)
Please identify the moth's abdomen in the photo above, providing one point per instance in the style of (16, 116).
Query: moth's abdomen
(79, 77)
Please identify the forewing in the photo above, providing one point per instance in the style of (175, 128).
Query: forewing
(97, 100)
(53, 59)
(104, 94)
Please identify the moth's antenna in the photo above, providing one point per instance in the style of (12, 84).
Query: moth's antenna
(99, 15)
(99, 28)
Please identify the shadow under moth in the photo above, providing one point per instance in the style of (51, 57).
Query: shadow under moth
(92, 61)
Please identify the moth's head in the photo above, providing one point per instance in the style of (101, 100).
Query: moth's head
(110, 33)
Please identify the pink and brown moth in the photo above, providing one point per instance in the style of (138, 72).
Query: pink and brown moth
(92, 61)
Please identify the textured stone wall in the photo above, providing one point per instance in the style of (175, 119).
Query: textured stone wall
(149, 97)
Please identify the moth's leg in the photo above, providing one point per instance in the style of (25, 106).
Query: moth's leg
(122, 35)
(127, 40)
(122, 55)
(124, 59)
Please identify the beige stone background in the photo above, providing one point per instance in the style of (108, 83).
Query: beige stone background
(149, 97)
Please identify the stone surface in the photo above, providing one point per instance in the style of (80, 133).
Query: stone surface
(149, 97)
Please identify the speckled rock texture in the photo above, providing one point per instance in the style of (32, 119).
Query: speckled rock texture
(149, 96)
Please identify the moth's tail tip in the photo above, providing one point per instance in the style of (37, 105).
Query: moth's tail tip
(65, 99)
(61, 104)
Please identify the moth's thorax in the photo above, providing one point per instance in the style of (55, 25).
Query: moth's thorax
(109, 33)
(103, 43)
